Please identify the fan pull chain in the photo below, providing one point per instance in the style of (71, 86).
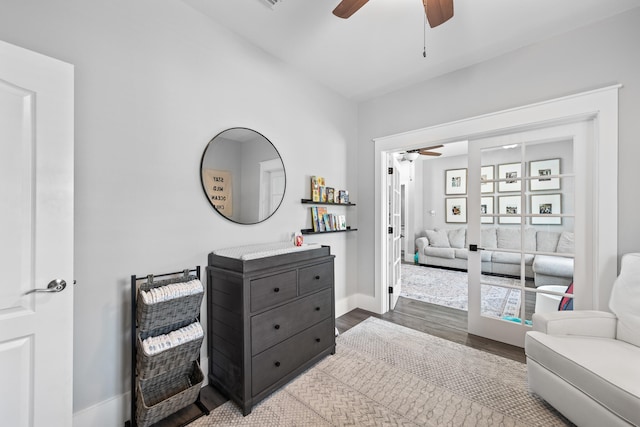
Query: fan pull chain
(424, 35)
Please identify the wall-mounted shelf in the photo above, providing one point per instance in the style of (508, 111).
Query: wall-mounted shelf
(310, 231)
(311, 202)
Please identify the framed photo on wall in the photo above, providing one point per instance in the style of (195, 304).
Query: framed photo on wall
(544, 168)
(511, 174)
(546, 204)
(509, 205)
(456, 209)
(486, 208)
(486, 174)
(455, 181)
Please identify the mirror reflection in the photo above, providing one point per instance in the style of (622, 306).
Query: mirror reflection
(243, 175)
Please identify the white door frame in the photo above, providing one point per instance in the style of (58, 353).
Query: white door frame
(600, 105)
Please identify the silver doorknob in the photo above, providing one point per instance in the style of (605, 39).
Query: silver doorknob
(56, 285)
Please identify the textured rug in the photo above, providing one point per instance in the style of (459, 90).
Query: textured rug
(449, 288)
(384, 374)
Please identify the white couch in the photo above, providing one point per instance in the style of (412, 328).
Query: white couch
(448, 248)
(587, 363)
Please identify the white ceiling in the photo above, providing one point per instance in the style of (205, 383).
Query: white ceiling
(379, 49)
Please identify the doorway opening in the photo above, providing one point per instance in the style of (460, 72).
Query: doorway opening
(595, 244)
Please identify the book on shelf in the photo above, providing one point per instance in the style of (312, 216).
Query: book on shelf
(323, 194)
(327, 222)
(331, 195)
(321, 221)
(315, 189)
(314, 219)
(342, 222)
(343, 196)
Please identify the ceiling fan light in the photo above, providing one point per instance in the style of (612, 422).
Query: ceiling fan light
(411, 156)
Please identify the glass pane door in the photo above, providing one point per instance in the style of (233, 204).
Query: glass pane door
(522, 222)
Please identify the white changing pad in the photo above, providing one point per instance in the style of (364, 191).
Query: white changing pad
(263, 250)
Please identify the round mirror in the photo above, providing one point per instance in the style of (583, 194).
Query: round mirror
(243, 175)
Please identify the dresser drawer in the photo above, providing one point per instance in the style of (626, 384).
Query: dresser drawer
(316, 277)
(273, 364)
(274, 326)
(271, 290)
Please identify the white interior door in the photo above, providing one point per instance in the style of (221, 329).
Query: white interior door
(272, 186)
(394, 245)
(36, 244)
(530, 187)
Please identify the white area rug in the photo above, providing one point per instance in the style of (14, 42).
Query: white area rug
(449, 288)
(384, 374)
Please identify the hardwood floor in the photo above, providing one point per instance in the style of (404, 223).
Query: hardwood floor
(437, 320)
(443, 322)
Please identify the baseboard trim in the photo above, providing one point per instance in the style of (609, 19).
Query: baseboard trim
(115, 411)
(112, 412)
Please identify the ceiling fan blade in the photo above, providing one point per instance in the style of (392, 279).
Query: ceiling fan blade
(438, 11)
(346, 8)
(430, 153)
(433, 147)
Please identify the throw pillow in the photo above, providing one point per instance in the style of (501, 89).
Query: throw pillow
(566, 243)
(456, 237)
(625, 299)
(489, 238)
(438, 238)
(566, 303)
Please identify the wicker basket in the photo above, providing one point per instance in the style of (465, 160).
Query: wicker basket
(164, 394)
(153, 316)
(151, 365)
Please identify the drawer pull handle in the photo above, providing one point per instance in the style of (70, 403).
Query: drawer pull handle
(276, 289)
(317, 339)
(277, 364)
(317, 308)
(277, 326)
(317, 277)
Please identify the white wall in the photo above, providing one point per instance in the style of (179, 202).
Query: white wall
(596, 56)
(155, 81)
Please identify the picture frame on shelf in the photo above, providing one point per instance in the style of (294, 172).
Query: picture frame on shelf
(456, 210)
(541, 168)
(487, 208)
(546, 204)
(509, 205)
(510, 176)
(455, 181)
(487, 173)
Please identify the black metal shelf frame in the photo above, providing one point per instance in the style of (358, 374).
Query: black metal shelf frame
(134, 293)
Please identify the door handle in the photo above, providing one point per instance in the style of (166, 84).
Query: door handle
(475, 248)
(56, 285)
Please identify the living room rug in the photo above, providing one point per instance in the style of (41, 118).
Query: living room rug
(384, 374)
(449, 288)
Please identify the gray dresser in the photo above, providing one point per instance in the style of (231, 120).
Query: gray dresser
(269, 319)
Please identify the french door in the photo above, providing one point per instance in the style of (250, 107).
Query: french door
(394, 244)
(527, 206)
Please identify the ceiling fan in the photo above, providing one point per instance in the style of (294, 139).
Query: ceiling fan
(411, 155)
(438, 11)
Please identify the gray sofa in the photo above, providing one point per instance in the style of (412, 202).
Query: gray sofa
(545, 263)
